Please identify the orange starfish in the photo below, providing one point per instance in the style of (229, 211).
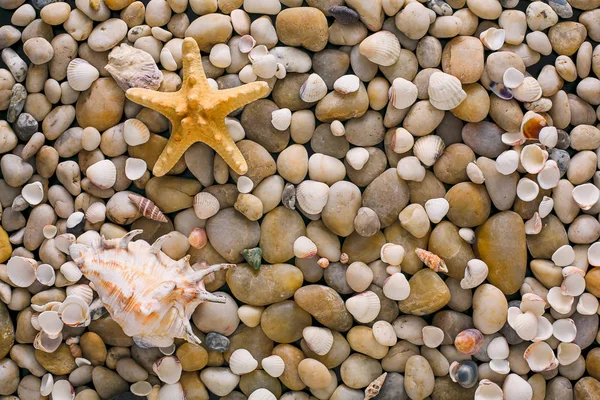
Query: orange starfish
(197, 112)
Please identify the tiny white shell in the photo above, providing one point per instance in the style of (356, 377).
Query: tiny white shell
(49, 231)
(357, 157)
(527, 190)
(242, 362)
(533, 158)
(244, 184)
(141, 388)
(82, 290)
(71, 271)
(74, 311)
(567, 353)
(168, 369)
(170, 392)
(488, 390)
(381, 48)
(432, 336)
(437, 209)
(587, 304)
(558, 301)
(250, 315)
(235, 129)
(246, 44)
(262, 394)
(396, 287)
(493, 38)
(410, 169)
(135, 132)
(475, 174)
(528, 91)
(573, 283)
(467, 234)
(513, 138)
(512, 78)
(402, 141)
(313, 89)
(205, 205)
(247, 74)
(548, 178)
(102, 174)
(281, 72)
(96, 212)
(564, 330)
(428, 149)
(281, 119)
(45, 274)
(319, 340)
(50, 323)
(312, 196)
(81, 74)
(21, 271)
(273, 365)
(546, 206)
(563, 256)
(524, 324)
(169, 350)
(304, 247)
(533, 303)
(80, 361)
(534, 225)
(507, 162)
(498, 348)
(33, 193)
(63, 390)
(220, 55)
(265, 67)
(257, 53)
(586, 195)
(135, 168)
(402, 93)
(540, 357)
(47, 384)
(476, 272)
(346, 84)
(445, 91)
(364, 307)
(392, 254)
(549, 136)
(384, 333)
(501, 367)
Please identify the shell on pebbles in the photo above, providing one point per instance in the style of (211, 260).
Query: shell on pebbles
(428, 149)
(281, 119)
(586, 195)
(437, 209)
(135, 132)
(304, 247)
(384, 333)
(102, 174)
(527, 190)
(392, 254)
(21, 271)
(445, 91)
(273, 365)
(364, 307)
(431, 260)
(319, 340)
(147, 208)
(396, 287)
(381, 48)
(311, 196)
(402, 141)
(81, 74)
(33, 193)
(168, 369)
(513, 78)
(357, 157)
(135, 168)
(346, 84)
(402, 93)
(533, 158)
(205, 205)
(242, 362)
(476, 272)
(244, 184)
(313, 89)
(432, 336)
(540, 357)
(493, 38)
(529, 90)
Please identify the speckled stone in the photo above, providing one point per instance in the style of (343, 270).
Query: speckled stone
(217, 342)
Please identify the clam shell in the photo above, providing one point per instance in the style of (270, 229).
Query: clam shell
(74, 311)
(549, 136)
(567, 353)
(396, 287)
(384, 333)
(246, 44)
(469, 341)
(524, 324)
(71, 271)
(476, 272)
(312, 196)
(33, 193)
(429, 149)
(262, 394)
(501, 91)
(250, 315)
(540, 357)
(170, 392)
(445, 91)
(319, 340)
(281, 119)
(258, 52)
(50, 323)
(168, 369)
(242, 362)
(402, 93)
(364, 307)
(21, 271)
(437, 209)
(346, 84)
(81, 74)
(96, 212)
(141, 388)
(273, 365)
(547, 203)
(135, 132)
(464, 373)
(247, 74)
(533, 303)
(313, 89)
(63, 241)
(467, 234)
(564, 330)
(493, 38)
(135, 168)
(102, 174)
(265, 67)
(512, 78)
(573, 283)
(63, 390)
(381, 48)
(46, 343)
(488, 390)
(563, 256)
(148, 208)
(205, 205)
(594, 254)
(544, 330)
(548, 178)
(220, 55)
(534, 225)
(83, 291)
(528, 91)
(587, 304)
(507, 162)
(392, 254)
(47, 384)
(500, 366)
(586, 195)
(402, 141)
(432, 336)
(533, 158)
(49, 231)
(498, 348)
(532, 125)
(45, 274)
(527, 190)
(558, 301)
(410, 169)
(357, 157)
(304, 247)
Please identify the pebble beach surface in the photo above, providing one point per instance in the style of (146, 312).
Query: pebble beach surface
(418, 216)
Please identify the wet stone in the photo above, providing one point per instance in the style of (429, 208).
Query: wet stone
(216, 342)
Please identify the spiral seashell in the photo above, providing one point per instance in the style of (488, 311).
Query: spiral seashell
(135, 168)
(319, 340)
(464, 373)
(445, 91)
(347, 84)
(402, 93)
(381, 48)
(429, 149)
(135, 132)
(147, 208)
(313, 89)
(96, 213)
(540, 357)
(206, 205)
(469, 341)
(304, 247)
(102, 174)
(81, 74)
(21, 271)
(374, 387)
(168, 369)
(242, 362)
(33, 193)
(431, 260)
(273, 365)
(281, 119)
(312, 196)
(364, 307)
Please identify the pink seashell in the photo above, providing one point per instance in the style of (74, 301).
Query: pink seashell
(148, 208)
(198, 238)
(431, 260)
(469, 341)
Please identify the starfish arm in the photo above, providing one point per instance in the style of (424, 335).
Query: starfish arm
(178, 143)
(165, 103)
(219, 140)
(239, 96)
(193, 71)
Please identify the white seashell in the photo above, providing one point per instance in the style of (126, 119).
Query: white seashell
(587, 304)
(241, 362)
(475, 174)
(33, 193)
(135, 132)
(528, 91)
(563, 256)
(63, 241)
(206, 205)
(594, 254)
(304, 247)
(168, 369)
(265, 67)
(83, 291)
(171, 392)
(50, 323)
(318, 339)
(573, 283)
(402, 141)
(141, 388)
(544, 330)
(381, 48)
(533, 303)
(49, 231)
(548, 177)
(250, 315)
(533, 158)
(357, 157)
(63, 390)
(235, 129)
(586, 195)
(74, 311)
(437, 209)
(96, 212)
(244, 184)
(567, 353)
(512, 78)
(45, 274)
(281, 72)
(169, 350)
(513, 138)
(71, 271)
(540, 357)
(384, 333)
(75, 219)
(337, 128)
(46, 343)
(445, 91)
(396, 287)
(476, 272)
(564, 330)
(549, 136)
(47, 384)
(410, 169)
(429, 149)
(220, 55)
(392, 254)
(547, 204)
(34, 321)
(347, 84)
(402, 93)
(135, 168)
(516, 388)
(102, 174)
(527, 190)
(488, 390)
(80, 361)
(524, 324)
(507, 162)
(558, 301)
(493, 38)
(432, 336)
(281, 119)
(364, 307)
(498, 349)
(313, 89)
(312, 196)
(247, 74)
(534, 225)
(262, 394)
(467, 234)
(273, 365)
(500, 366)
(81, 74)
(257, 52)
(21, 271)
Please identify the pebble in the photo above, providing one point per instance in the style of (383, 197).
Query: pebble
(217, 342)
(217, 317)
(60, 362)
(302, 26)
(428, 293)
(231, 232)
(469, 203)
(278, 232)
(108, 383)
(358, 371)
(419, 380)
(387, 195)
(325, 305)
(100, 106)
(271, 283)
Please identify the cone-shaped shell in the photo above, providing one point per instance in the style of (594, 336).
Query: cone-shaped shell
(313, 89)
(540, 357)
(135, 132)
(168, 369)
(148, 208)
(318, 339)
(242, 362)
(312, 196)
(102, 174)
(273, 365)
(81, 74)
(205, 205)
(374, 387)
(445, 91)
(381, 48)
(304, 247)
(402, 93)
(432, 261)
(528, 91)
(429, 149)
(364, 307)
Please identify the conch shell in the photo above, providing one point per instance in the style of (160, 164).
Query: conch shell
(150, 295)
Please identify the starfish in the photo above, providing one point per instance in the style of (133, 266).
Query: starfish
(197, 112)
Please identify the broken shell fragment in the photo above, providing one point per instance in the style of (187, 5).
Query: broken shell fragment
(558, 301)
(567, 353)
(532, 125)
(493, 38)
(168, 369)
(564, 330)
(586, 195)
(534, 225)
(563, 256)
(587, 304)
(488, 390)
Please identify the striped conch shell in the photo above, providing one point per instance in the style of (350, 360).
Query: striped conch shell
(150, 295)
(432, 261)
(147, 208)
